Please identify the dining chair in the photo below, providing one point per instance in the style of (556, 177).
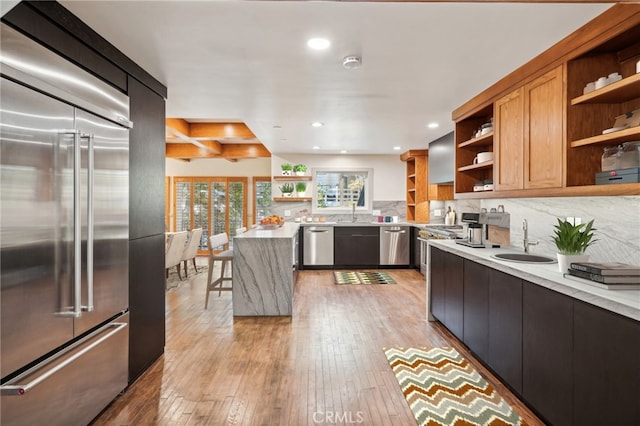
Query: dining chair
(191, 249)
(175, 250)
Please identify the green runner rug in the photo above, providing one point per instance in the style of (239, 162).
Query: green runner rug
(363, 277)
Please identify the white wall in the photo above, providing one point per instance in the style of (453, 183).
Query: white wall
(219, 167)
(388, 170)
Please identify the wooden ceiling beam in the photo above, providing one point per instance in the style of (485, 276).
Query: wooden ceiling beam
(220, 130)
(227, 151)
(178, 125)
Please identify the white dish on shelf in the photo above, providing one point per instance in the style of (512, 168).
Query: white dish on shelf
(613, 129)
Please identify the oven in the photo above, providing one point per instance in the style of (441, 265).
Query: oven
(447, 232)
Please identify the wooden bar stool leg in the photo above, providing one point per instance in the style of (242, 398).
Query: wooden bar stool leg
(224, 263)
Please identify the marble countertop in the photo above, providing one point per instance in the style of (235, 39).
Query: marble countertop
(348, 223)
(288, 230)
(623, 302)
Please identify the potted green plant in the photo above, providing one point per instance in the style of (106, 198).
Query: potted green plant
(300, 169)
(572, 241)
(286, 189)
(301, 188)
(286, 169)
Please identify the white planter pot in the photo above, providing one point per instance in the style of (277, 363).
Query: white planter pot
(565, 260)
(300, 173)
(287, 194)
(301, 194)
(286, 173)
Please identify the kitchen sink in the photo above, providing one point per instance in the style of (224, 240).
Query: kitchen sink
(523, 258)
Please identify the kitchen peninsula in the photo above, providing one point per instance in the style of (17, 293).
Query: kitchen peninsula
(264, 270)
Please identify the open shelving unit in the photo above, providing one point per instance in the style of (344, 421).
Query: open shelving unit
(292, 178)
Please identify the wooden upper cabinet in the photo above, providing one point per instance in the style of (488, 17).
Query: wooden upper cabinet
(548, 135)
(543, 131)
(528, 140)
(508, 141)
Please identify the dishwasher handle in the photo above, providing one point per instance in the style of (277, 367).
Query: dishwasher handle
(395, 231)
(318, 231)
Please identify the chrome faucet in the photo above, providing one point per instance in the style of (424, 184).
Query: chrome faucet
(353, 212)
(526, 240)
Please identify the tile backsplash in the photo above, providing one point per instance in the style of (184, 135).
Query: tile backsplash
(617, 222)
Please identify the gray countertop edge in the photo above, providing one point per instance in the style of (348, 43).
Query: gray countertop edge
(622, 302)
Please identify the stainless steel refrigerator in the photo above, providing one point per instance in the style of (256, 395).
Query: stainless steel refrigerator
(64, 230)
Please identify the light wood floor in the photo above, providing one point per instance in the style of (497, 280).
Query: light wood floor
(324, 363)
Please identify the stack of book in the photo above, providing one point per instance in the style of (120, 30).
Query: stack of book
(612, 275)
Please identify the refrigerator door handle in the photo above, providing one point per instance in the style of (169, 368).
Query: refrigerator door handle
(19, 389)
(77, 228)
(90, 175)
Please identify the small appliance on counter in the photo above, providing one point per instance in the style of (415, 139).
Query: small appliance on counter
(487, 229)
(475, 231)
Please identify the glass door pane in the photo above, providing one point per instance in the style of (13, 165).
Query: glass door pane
(236, 206)
(218, 207)
(183, 206)
(201, 212)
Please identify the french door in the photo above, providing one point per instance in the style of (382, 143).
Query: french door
(215, 204)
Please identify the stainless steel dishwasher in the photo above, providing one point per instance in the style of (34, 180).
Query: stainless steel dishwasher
(394, 245)
(318, 246)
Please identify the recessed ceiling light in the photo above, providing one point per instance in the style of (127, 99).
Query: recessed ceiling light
(316, 147)
(432, 125)
(317, 124)
(344, 151)
(318, 43)
(397, 148)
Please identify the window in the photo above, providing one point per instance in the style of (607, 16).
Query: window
(215, 204)
(338, 191)
(261, 198)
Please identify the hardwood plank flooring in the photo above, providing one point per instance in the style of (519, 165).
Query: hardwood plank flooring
(323, 365)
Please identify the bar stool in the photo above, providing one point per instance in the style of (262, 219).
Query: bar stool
(225, 256)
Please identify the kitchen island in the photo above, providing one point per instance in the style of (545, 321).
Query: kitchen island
(264, 270)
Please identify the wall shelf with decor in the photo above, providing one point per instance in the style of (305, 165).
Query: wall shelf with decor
(294, 181)
(468, 144)
(292, 178)
(291, 199)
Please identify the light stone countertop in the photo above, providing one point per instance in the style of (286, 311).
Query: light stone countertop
(623, 302)
(288, 230)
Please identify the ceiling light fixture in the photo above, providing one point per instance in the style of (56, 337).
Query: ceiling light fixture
(317, 124)
(433, 125)
(352, 62)
(344, 151)
(316, 147)
(397, 148)
(318, 43)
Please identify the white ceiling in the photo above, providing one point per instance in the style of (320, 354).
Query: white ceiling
(248, 61)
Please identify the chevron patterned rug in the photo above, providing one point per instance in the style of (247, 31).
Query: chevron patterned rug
(443, 388)
(363, 277)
